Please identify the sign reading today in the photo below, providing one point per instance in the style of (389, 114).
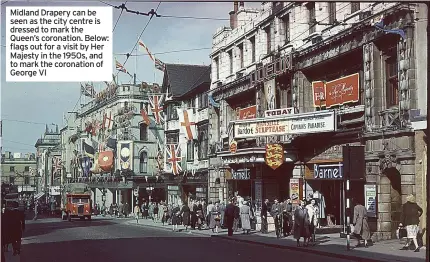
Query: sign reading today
(322, 121)
(280, 112)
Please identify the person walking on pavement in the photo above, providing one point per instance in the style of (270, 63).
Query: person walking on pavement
(215, 217)
(312, 210)
(200, 215)
(193, 214)
(185, 214)
(137, 213)
(236, 216)
(287, 217)
(410, 218)
(144, 209)
(126, 209)
(36, 210)
(229, 217)
(361, 227)
(155, 212)
(176, 212)
(264, 216)
(165, 216)
(245, 217)
(209, 213)
(301, 223)
(275, 212)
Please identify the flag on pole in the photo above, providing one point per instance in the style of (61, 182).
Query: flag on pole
(143, 46)
(187, 123)
(156, 107)
(159, 65)
(120, 67)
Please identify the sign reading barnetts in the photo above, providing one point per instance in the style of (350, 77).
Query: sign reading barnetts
(321, 121)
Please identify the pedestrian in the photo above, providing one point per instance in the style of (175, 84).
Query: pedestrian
(222, 205)
(126, 209)
(312, 211)
(361, 226)
(215, 217)
(275, 212)
(245, 217)
(160, 211)
(301, 223)
(410, 218)
(175, 217)
(200, 215)
(144, 209)
(229, 217)
(264, 216)
(287, 218)
(53, 206)
(120, 209)
(155, 212)
(111, 209)
(165, 217)
(185, 214)
(137, 213)
(193, 214)
(15, 222)
(36, 210)
(209, 213)
(236, 216)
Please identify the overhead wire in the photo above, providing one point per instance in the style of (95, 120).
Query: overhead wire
(119, 17)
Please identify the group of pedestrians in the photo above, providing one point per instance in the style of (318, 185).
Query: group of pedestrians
(239, 214)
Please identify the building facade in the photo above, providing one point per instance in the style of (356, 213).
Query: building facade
(308, 79)
(112, 144)
(186, 132)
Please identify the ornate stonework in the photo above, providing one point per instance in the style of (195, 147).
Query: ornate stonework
(368, 86)
(388, 161)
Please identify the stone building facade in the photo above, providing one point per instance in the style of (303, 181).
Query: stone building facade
(380, 55)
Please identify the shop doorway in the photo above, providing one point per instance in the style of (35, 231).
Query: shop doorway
(328, 195)
(394, 177)
(242, 188)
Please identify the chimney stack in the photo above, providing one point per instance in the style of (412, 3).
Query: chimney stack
(242, 4)
(233, 15)
(236, 6)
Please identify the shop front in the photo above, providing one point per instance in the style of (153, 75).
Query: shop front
(195, 187)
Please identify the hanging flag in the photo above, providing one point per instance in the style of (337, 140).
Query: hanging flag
(108, 121)
(88, 90)
(379, 23)
(212, 101)
(143, 46)
(159, 157)
(57, 165)
(187, 123)
(145, 116)
(174, 158)
(111, 143)
(88, 150)
(120, 67)
(101, 146)
(159, 65)
(157, 109)
(86, 165)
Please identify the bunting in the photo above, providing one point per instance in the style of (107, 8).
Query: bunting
(156, 107)
(120, 67)
(159, 65)
(187, 123)
(174, 158)
(145, 49)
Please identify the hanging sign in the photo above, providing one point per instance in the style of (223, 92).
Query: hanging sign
(341, 91)
(247, 113)
(233, 147)
(274, 155)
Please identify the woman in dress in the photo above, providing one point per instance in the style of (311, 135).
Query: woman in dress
(176, 220)
(301, 221)
(361, 227)
(312, 210)
(215, 219)
(410, 218)
(137, 213)
(155, 212)
(245, 217)
(185, 213)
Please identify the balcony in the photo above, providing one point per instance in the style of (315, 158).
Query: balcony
(390, 119)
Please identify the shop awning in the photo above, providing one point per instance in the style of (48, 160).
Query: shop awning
(39, 195)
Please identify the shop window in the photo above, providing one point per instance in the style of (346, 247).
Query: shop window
(312, 17)
(392, 85)
(27, 180)
(190, 150)
(240, 47)
(331, 12)
(143, 132)
(252, 41)
(143, 167)
(230, 59)
(355, 6)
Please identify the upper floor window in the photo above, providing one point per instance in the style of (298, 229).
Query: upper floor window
(312, 17)
(252, 41)
(230, 58)
(172, 138)
(192, 103)
(27, 180)
(27, 169)
(203, 142)
(268, 39)
(143, 132)
(126, 104)
(11, 180)
(143, 167)
(203, 100)
(355, 6)
(190, 150)
(172, 113)
(286, 28)
(392, 83)
(240, 47)
(217, 67)
(332, 12)
(12, 169)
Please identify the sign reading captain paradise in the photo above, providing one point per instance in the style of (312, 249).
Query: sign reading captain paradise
(322, 121)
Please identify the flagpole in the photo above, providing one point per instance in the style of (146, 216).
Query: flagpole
(135, 66)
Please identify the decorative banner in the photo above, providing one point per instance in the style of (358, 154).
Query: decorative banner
(270, 93)
(95, 169)
(108, 120)
(125, 155)
(86, 166)
(57, 167)
(156, 102)
(281, 112)
(233, 147)
(343, 90)
(370, 199)
(247, 113)
(174, 158)
(145, 116)
(105, 160)
(274, 155)
(306, 123)
(187, 123)
(318, 89)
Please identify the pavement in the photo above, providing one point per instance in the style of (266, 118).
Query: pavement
(109, 239)
(329, 245)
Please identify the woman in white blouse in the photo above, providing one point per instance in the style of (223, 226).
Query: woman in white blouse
(313, 212)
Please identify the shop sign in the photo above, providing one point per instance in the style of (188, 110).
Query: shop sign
(271, 70)
(274, 155)
(370, 200)
(247, 113)
(233, 147)
(172, 188)
(280, 112)
(328, 171)
(337, 92)
(241, 174)
(322, 121)
(54, 191)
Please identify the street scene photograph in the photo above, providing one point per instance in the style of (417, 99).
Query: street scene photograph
(214, 131)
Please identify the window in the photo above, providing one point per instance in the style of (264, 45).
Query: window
(355, 6)
(12, 169)
(286, 27)
(27, 169)
(143, 132)
(27, 180)
(203, 142)
(392, 85)
(252, 40)
(217, 67)
(203, 100)
(11, 180)
(241, 55)
(125, 104)
(331, 12)
(143, 167)
(172, 138)
(192, 103)
(230, 57)
(172, 114)
(268, 39)
(190, 150)
(312, 18)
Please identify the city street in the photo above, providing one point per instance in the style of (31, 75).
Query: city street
(113, 240)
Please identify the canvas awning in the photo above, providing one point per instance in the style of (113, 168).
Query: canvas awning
(39, 195)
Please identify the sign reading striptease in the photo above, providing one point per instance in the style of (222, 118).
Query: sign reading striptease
(322, 121)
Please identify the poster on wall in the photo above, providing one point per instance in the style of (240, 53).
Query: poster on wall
(270, 93)
(295, 190)
(370, 200)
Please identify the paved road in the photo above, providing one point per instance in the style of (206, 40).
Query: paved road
(52, 240)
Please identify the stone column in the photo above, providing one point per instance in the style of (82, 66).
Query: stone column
(384, 209)
(407, 172)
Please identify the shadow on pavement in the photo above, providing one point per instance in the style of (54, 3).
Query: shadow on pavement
(38, 229)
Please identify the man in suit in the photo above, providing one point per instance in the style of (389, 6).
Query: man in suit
(264, 216)
(287, 213)
(275, 211)
(229, 216)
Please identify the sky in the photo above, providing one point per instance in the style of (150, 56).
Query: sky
(27, 107)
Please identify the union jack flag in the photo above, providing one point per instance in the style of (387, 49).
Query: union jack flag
(174, 158)
(156, 102)
(57, 165)
(120, 67)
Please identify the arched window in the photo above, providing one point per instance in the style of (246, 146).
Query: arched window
(143, 162)
(143, 132)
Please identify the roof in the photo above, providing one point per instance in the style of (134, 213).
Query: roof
(185, 78)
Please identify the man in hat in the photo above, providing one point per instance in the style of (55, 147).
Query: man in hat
(229, 216)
